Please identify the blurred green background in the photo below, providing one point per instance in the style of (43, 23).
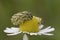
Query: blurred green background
(48, 10)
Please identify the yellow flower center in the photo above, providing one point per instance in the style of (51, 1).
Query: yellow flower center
(30, 26)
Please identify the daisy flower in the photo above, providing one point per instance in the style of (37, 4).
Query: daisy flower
(29, 25)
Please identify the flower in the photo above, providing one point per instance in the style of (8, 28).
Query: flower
(28, 24)
(14, 31)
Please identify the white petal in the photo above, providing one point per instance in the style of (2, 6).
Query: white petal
(40, 33)
(48, 34)
(41, 26)
(11, 30)
(26, 32)
(33, 34)
(8, 31)
(46, 28)
(15, 29)
(25, 37)
(12, 34)
(46, 31)
(50, 30)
